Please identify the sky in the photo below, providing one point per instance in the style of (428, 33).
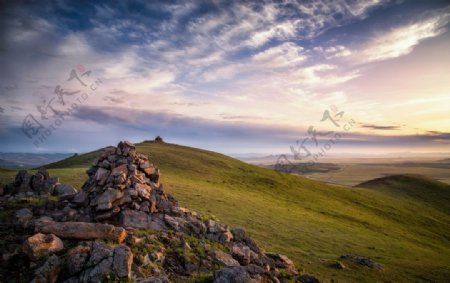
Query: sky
(235, 77)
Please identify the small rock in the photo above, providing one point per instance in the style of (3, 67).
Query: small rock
(231, 274)
(242, 253)
(101, 175)
(239, 234)
(99, 252)
(49, 271)
(337, 265)
(143, 191)
(155, 279)
(107, 198)
(305, 278)
(81, 198)
(134, 219)
(281, 261)
(363, 261)
(61, 190)
(77, 258)
(121, 169)
(174, 222)
(255, 269)
(122, 261)
(22, 217)
(224, 258)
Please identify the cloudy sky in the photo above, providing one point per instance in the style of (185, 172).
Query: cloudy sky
(231, 76)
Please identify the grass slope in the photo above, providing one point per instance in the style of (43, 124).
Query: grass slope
(310, 221)
(415, 188)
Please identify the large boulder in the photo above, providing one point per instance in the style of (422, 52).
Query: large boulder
(82, 230)
(40, 245)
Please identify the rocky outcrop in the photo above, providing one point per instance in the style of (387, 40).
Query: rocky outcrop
(95, 261)
(122, 224)
(39, 184)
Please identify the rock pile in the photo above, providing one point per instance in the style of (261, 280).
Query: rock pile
(123, 225)
(39, 184)
(122, 183)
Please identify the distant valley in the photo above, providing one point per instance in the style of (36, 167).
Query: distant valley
(353, 171)
(29, 160)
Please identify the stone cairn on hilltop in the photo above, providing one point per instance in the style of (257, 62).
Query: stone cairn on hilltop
(121, 181)
(122, 196)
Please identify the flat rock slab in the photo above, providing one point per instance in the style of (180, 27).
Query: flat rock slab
(82, 230)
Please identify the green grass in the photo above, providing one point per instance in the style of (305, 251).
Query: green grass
(307, 220)
(414, 188)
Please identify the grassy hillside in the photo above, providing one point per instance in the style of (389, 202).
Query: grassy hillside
(415, 188)
(311, 222)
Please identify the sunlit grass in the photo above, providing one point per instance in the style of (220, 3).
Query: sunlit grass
(304, 219)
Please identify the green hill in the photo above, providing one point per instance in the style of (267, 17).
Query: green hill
(311, 222)
(413, 187)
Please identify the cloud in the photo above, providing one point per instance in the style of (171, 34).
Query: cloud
(282, 31)
(113, 99)
(401, 40)
(285, 59)
(379, 127)
(287, 54)
(222, 72)
(322, 75)
(189, 126)
(331, 52)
